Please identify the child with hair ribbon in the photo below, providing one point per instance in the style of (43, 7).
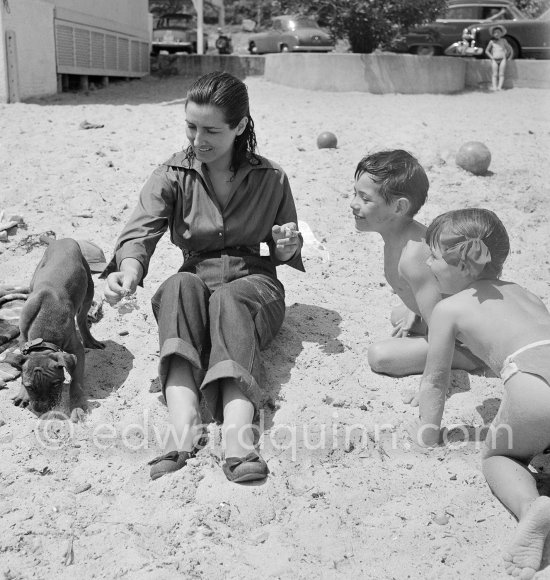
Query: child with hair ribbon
(508, 327)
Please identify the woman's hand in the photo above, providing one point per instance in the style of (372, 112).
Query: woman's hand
(123, 283)
(287, 240)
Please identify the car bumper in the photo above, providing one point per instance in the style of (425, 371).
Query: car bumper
(172, 45)
(315, 48)
(462, 48)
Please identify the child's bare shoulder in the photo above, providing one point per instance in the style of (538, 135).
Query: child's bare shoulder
(449, 311)
(413, 259)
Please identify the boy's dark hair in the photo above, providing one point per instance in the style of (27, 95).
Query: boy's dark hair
(399, 175)
(472, 223)
(229, 94)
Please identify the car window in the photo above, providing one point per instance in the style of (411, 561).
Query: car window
(496, 14)
(178, 22)
(304, 22)
(464, 13)
(277, 25)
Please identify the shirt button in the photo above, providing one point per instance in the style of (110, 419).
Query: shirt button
(220, 234)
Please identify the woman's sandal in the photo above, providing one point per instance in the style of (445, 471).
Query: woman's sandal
(168, 463)
(249, 468)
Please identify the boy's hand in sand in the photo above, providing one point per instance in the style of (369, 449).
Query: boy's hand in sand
(287, 240)
(404, 325)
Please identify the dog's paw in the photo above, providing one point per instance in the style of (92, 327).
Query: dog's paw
(22, 398)
(78, 415)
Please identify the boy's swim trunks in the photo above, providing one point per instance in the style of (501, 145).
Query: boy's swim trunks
(533, 358)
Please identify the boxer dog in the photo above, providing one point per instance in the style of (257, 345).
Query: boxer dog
(62, 289)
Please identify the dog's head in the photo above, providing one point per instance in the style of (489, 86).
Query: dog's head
(42, 376)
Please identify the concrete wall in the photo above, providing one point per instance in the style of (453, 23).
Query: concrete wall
(387, 73)
(193, 66)
(533, 74)
(371, 73)
(35, 70)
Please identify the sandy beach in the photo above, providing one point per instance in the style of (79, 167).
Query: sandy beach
(347, 497)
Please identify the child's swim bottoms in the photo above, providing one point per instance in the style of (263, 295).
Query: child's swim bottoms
(533, 358)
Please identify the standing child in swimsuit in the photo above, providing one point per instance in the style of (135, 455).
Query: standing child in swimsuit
(509, 328)
(499, 51)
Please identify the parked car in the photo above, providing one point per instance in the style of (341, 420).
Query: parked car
(434, 38)
(291, 34)
(176, 33)
(529, 38)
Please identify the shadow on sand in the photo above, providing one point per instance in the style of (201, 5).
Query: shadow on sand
(303, 322)
(150, 90)
(106, 370)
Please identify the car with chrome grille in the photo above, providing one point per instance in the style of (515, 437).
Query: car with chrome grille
(176, 33)
(529, 38)
(435, 37)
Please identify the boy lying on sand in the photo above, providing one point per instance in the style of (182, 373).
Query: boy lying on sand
(390, 188)
(508, 328)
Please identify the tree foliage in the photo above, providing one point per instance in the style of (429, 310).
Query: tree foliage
(367, 24)
(158, 7)
(533, 8)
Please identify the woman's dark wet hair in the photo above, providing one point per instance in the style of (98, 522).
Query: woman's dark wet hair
(399, 174)
(230, 95)
(474, 223)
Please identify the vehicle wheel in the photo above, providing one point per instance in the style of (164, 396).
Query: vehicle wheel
(426, 50)
(284, 48)
(252, 48)
(515, 46)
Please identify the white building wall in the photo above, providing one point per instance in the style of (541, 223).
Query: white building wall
(32, 23)
(131, 16)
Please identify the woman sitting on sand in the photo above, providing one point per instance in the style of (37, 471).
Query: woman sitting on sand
(220, 200)
(509, 328)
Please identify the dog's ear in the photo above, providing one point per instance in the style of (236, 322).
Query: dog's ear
(65, 360)
(15, 359)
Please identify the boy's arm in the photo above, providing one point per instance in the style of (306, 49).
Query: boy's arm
(417, 274)
(489, 49)
(435, 380)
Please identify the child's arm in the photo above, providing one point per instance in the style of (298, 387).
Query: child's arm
(489, 50)
(435, 380)
(404, 326)
(415, 271)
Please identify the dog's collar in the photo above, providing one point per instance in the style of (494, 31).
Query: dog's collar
(39, 344)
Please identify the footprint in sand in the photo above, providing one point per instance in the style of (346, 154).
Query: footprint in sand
(524, 554)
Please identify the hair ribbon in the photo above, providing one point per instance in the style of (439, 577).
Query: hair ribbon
(470, 254)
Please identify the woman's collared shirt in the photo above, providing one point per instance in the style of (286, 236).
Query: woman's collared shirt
(178, 197)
